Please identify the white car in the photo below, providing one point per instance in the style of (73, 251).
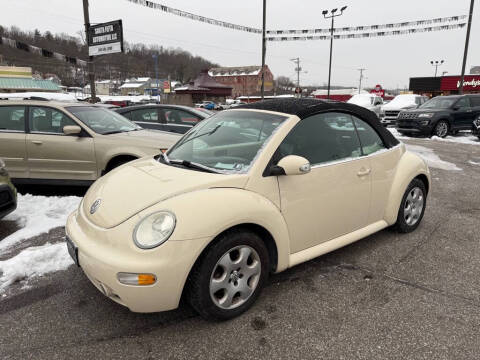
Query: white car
(371, 102)
(399, 103)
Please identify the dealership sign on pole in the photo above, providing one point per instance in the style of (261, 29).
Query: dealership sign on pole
(106, 38)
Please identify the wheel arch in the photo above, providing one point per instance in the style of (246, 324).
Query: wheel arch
(261, 231)
(118, 158)
(410, 167)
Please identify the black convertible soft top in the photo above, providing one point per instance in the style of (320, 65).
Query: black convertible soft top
(307, 107)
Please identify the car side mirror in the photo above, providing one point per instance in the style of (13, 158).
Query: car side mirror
(456, 108)
(72, 130)
(294, 165)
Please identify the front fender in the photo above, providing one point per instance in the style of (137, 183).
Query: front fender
(204, 214)
(409, 167)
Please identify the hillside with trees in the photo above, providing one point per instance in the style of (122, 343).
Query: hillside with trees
(137, 60)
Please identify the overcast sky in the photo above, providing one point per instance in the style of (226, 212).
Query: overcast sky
(389, 61)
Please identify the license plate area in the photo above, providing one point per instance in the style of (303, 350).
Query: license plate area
(72, 250)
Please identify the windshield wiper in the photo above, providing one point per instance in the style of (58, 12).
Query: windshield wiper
(210, 132)
(191, 165)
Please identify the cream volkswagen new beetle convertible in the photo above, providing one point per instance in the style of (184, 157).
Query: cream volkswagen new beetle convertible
(245, 193)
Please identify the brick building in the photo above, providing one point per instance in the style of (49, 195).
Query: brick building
(245, 80)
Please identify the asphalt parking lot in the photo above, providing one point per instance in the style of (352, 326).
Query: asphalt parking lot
(389, 296)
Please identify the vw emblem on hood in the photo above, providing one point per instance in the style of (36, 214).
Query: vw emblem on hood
(95, 206)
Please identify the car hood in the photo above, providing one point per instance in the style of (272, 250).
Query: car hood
(399, 106)
(140, 184)
(155, 138)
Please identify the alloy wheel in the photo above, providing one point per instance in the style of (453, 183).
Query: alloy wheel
(414, 204)
(441, 129)
(235, 277)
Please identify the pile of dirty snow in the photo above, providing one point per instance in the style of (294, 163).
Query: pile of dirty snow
(432, 159)
(34, 261)
(37, 215)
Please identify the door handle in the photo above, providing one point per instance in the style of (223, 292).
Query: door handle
(364, 172)
(38, 142)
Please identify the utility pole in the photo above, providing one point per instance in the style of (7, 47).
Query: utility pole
(91, 70)
(155, 56)
(361, 78)
(264, 46)
(465, 54)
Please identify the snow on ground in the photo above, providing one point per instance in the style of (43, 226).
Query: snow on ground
(397, 134)
(462, 138)
(431, 158)
(37, 215)
(33, 262)
(473, 162)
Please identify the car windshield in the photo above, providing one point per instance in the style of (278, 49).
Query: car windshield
(439, 103)
(228, 141)
(361, 100)
(103, 121)
(402, 101)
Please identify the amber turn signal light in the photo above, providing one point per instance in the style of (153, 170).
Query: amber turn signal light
(136, 279)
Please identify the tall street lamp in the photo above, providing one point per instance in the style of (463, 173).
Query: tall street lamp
(333, 15)
(467, 41)
(437, 64)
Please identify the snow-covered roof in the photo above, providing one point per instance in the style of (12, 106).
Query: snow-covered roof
(131, 85)
(320, 92)
(44, 95)
(143, 79)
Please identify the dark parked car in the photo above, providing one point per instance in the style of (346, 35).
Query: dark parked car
(172, 118)
(8, 194)
(476, 126)
(440, 116)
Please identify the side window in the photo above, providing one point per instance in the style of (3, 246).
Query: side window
(371, 141)
(475, 100)
(463, 103)
(12, 118)
(47, 120)
(148, 115)
(175, 116)
(128, 115)
(322, 138)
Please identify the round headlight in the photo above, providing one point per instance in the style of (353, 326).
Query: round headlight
(154, 229)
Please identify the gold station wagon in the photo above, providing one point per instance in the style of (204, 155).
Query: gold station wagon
(53, 142)
(245, 193)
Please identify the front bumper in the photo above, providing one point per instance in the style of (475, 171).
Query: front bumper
(414, 127)
(8, 200)
(103, 253)
(386, 121)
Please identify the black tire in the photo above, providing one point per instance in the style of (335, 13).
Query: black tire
(198, 286)
(401, 225)
(439, 131)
